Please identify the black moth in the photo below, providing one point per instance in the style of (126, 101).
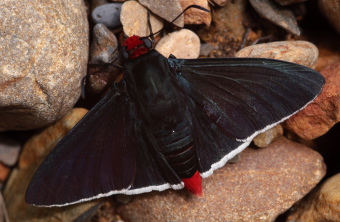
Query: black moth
(168, 121)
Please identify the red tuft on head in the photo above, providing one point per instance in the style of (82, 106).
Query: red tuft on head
(135, 46)
(194, 184)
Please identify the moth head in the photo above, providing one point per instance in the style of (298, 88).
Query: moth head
(136, 46)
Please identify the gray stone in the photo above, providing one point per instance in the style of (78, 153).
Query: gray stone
(107, 14)
(276, 14)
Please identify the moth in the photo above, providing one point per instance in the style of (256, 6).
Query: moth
(169, 123)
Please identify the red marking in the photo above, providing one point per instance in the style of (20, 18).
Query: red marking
(135, 46)
(194, 184)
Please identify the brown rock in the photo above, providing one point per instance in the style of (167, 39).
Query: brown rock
(263, 184)
(134, 19)
(167, 10)
(4, 172)
(183, 44)
(9, 150)
(275, 13)
(301, 52)
(331, 10)
(221, 2)
(43, 57)
(196, 16)
(230, 19)
(289, 2)
(329, 50)
(264, 139)
(317, 118)
(104, 51)
(322, 205)
(32, 155)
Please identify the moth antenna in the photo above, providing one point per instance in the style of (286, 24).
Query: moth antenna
(190, 6)
(150, 27)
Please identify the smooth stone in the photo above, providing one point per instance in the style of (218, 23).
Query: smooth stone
(31, 157)
(104, 52)
(289, 2)
(230, 19)
(262, 185)
(321, 115)
(43, 57)
(134, 19)
(277, 14)
(221, 2)
(184, 44)
(301, 52)
(167, 10)
(107, 14)
(322, 205)
(196, 16)
(9, 150)
(264, 139)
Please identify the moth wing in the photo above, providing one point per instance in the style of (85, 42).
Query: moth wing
(246, 96)
(104, 154)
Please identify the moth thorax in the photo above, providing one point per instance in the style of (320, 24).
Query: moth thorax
(136, 46)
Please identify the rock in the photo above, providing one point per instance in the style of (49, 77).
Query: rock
(134, 19)
(221, 2)
(104, 52)
(321, 115)
(230, 19)
(288, 2)
(196, 16)
(9, 151)
(280, 16)
(4, 172)
(206, 49)
(183, 44)
(107, 14)
(32, 155)
(43, 57)
(167, 10)
(329, 50)
(331, 9)
(301, 52)
(263, 184)
(264, 139)
(322, 205)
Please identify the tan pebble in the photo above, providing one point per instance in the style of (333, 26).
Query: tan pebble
(183, 44)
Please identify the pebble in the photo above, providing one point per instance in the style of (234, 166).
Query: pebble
(32, 155)
(104, 50)
(278, 15)
(107, 14)
(264, 139)
(262, 185)
(43, 57)
(167, 10)
(221, 2)
(9, 150)
(322, 205)
(196, 16)
(331, 9)
(301, 52)
(321, 115)
(184, 44)
(230, 19)
(289, 2)
(4, 172)
(134, 19)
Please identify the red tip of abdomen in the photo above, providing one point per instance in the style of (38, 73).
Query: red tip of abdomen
(194, 184)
